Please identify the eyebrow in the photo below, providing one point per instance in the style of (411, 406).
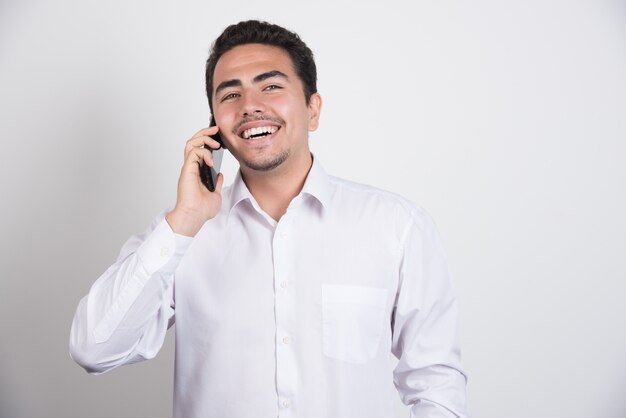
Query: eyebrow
(261, 77)
(269, 74)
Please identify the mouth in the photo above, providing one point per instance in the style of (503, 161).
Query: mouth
(258, 132)
(258, 128)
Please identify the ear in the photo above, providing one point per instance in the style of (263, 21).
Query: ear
(315, 107)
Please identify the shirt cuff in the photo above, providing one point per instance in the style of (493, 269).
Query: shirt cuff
(163, 249)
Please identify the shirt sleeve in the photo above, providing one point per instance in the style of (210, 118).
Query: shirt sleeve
(129, 308)
(428, 375)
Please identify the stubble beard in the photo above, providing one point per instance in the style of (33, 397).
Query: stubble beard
(264, 163)
(267, 164)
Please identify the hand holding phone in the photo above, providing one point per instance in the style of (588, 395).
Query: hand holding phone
(194, 204)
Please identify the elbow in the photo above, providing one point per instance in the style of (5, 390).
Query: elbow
(84, 350)
(86, 356)
(85, 361)
(98, 357)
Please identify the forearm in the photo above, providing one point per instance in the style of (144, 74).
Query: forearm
(126, 314)
(434, 392)
(428, 376)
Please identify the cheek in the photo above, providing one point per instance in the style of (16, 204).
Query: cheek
(291, 111)
(281, 105)
(226, 125)
(225, 119)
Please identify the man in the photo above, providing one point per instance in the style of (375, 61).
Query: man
(290, 287)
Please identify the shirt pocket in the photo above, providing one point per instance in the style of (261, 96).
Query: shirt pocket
(353, 318)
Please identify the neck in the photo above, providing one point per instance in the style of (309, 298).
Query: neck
(274, 190)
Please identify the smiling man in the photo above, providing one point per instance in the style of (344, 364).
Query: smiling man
(289, 288)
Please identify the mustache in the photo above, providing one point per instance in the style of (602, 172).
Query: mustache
(254, 118)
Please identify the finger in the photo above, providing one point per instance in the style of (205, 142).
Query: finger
(211, 130)
(219, 182)
(200, 142)
(196, 157)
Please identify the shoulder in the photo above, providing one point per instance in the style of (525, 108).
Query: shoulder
(359, 197)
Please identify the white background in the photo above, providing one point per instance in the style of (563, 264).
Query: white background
(505, 120)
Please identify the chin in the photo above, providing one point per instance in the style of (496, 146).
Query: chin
(266, 164)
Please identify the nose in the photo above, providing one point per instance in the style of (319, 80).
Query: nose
(252, 104)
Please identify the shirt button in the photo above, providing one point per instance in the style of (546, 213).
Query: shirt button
(283, 285)
(165, 252)
(287, 340)
(283, 235)
(286, 403)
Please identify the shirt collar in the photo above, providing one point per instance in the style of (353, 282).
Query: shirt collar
(238, 192)
(316, 185)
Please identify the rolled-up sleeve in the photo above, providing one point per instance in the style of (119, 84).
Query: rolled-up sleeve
(428, 375)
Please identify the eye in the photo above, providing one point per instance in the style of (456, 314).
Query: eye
(272, 87)
(230, 96)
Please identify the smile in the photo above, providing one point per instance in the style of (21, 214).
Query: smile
(259, 132)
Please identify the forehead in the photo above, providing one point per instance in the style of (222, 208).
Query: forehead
(244, 62)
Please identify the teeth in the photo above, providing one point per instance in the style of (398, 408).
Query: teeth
(260, 130)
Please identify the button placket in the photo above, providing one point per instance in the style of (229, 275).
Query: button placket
(286, 365)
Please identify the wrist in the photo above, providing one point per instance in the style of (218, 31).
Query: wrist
(184, 223)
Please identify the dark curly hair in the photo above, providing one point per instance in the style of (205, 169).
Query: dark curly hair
(257, 32)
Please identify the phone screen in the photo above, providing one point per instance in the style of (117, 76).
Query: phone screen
(208, 175)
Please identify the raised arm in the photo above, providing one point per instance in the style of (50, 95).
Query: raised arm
(126, 314)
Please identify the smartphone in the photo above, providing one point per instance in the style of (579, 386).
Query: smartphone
(208, 175)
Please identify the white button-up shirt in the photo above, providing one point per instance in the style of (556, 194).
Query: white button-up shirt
(295, 318)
